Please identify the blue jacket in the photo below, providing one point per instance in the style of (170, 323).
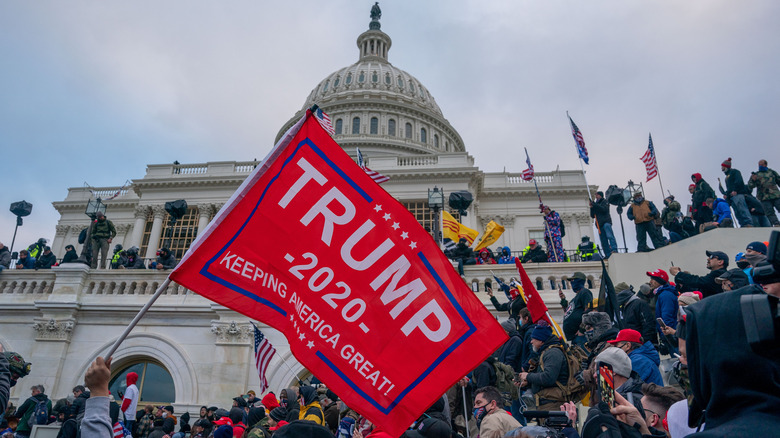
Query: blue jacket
(645, 361)
(666, 306)
(27, 263)
(509, 259)
(721, 209)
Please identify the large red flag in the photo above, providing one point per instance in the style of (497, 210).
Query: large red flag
(311, 246)
(533, 300)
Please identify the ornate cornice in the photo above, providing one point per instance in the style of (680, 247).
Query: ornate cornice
(62, 230)
(54, 330)
(158, 211)
(141, 212)
(232, 333)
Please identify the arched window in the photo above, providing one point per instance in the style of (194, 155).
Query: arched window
(374, 125)
(423, 135)
(411, 86)
(391, 127)
(436, 141)
(408, 133)
(361, 77)
(325, 88)
(400, 82)
(356, 125)
(349, 79)
(375, 77)
(447, 146)
(339, 126)
(155, 384)
(539, 284)
(336, 82)
(388, 79)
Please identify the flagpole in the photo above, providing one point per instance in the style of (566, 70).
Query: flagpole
(546, 226)
(291, 370)
(138, 317)
(657, 169)
(576, 148)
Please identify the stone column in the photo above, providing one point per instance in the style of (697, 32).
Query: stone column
(154, 237)
(141, 213)
(58, 245)
(204, 211)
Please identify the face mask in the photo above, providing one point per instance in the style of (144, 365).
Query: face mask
(638, 200)
(589, 334)
(479, 414)
(762, 168)
(754, 259)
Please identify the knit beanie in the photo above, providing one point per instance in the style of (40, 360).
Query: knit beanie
(542, 332)
(509, 325)
(225, 431)
(278, 414)
(727, 163)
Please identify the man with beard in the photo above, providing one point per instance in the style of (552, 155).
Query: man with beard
(717, 263)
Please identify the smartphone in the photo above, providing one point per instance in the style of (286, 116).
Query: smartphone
(661, 322)
(606, 384)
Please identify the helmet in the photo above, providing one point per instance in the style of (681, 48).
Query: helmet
(739, 256)
(585, 238)
(133, 251)
(42, 241)
(118, 247)
(17, 364)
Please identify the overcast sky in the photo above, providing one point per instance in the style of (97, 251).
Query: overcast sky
(93, 91)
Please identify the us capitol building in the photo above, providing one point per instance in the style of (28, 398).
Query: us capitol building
(189, 351)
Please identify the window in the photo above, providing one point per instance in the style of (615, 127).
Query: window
(375, 78)
(356, 125)
(374, 125)
(349, 79)
(388, 80)
(424, 214)
(411, 86)
(447, 146)
(336, 82)
(436, 141)
(391, 127)
(325, 88)
(408, 133)
(400, 82)
(155, 384)
(423, 135)
(339, 126)
(539, 284)
(361, 77)
(537, 235)
(176, 238)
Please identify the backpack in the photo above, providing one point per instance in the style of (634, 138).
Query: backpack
(40, 414)
(505, 376)
(83, 236)
(563, 229)
(575, 389)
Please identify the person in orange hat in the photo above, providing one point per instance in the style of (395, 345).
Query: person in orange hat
(644, 357)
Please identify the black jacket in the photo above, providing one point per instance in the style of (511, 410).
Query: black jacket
(135, 263)
(462, 251)
(536, 255)
(528, 351)
(706, 285)
(484, 374)
(513, 307)
(45, 261)
(572, 318)
(735, 183)
(600, 211)
(78, 405)
(556, 368)
(5, 257)
(167, 262)
(637, 315)
(739, 388)
(70, 256)
(511, 351)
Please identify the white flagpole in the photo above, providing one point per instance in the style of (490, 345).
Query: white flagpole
(138, 317)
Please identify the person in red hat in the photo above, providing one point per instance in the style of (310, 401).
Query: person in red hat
(701, 191)
(533, 253)
(644, 357)
(666, 298)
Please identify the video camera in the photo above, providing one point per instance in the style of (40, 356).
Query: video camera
(553, 427)
(761, 313)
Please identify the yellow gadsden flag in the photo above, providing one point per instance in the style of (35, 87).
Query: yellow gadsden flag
(455, 230)
(492, 232)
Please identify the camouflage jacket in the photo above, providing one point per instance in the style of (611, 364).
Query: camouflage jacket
(765, 183)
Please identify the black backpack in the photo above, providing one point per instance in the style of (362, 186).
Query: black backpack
(563, 229)
(83, 236)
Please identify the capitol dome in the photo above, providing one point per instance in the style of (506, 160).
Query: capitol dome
(380, 108)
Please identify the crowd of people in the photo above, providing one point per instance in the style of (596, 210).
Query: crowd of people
(673, 346)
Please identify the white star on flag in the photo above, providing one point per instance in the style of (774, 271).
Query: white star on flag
(386, 216)
(310, 344)
(302, 337)
(404, 235)
(413, 245)
(378, 208)
(396, 225)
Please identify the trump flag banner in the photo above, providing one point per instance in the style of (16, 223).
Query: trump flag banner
(311, 246)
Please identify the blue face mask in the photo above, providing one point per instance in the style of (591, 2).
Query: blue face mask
(762, 168)
(479, 414)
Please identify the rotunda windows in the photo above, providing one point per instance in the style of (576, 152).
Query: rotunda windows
(356, 125)
(339, 126)
(374, 126)
(423, 135)
(375, 77)
(336, 81)
(408, 130)
(361, 77)
(388, 79)
(436, 141)
(411, 86)
(155, 384)
(391, 127)
(325, 87)
(400, 82)
(349, 79)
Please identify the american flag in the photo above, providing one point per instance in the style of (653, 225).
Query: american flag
(649, 159)
(581, 149)
(264, 351)
(528, 174)
(376, 176)
(324, 121)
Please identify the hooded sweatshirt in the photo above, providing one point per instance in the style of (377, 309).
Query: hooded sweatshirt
(130, 401)
(270, 402)
(507, 259)
(311, 409)
(719, 358)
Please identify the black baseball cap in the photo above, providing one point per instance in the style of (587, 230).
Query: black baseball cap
(718, 255)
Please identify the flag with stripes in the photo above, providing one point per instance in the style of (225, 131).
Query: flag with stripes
(528, 174)
(324, 121)
(264, 351)
(581, 149)
(649, 159)
(376, 176)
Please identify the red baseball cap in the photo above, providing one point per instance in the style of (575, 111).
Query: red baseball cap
(659, 273)
(627, 335)
(532, 242)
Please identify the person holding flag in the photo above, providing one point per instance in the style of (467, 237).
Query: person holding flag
(582, 302)
(553, 235)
